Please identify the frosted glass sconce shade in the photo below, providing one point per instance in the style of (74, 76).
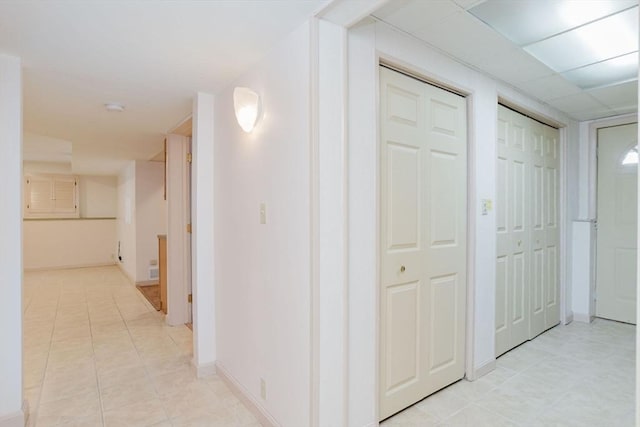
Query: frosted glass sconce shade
(247, 106)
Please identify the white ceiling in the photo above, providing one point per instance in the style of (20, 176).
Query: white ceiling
(450, 27)
(150, 55)
(153, 56)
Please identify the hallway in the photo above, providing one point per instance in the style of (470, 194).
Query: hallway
(97, 354)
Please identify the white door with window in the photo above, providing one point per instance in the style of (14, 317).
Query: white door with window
(617, 223)
(423, 220)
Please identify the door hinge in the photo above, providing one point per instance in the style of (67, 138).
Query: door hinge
(190, 298)
(189, 157)
(188, 228)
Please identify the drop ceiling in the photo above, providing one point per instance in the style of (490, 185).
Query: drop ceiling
(538, 46)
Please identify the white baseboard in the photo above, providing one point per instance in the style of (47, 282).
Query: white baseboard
(263, 416)
(68, 267)
(205, 370)
(568, 319)
(17, 419)
(582, 317)
(485, 368)
(126, 273)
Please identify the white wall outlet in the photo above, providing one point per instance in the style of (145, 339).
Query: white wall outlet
(263, 389)
(263, 213)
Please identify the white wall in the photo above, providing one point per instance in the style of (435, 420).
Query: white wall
(11, 412)
(68, 243)
(203, 269)
(126, 221)
(47, 167)
(98, 196)
(364, 43)
(151, 214)
(263, 271)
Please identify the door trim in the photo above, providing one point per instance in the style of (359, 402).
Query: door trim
(387, 61)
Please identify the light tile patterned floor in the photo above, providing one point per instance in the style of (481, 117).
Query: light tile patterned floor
(97, 354)
(576, 375)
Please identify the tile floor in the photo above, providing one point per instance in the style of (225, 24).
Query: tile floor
(576, 375)
(97, 354)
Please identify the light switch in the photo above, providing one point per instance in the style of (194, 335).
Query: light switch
(263, 213)
(486, 206)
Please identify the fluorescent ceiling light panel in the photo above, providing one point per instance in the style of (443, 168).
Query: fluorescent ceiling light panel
(527, 21)
(607, 38)
(622, 68)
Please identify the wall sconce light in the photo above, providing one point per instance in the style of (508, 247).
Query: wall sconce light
(247, 106)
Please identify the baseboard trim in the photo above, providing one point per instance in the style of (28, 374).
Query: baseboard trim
(17, 419)
(485, 368)
(147, 283)
(205, 370)
(568, 319)
(582, 317)
(69, 267)
(126, 273)
(263, 416)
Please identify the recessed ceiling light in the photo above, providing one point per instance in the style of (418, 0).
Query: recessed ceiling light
(114, 107)
(597, 41)
(591, 43)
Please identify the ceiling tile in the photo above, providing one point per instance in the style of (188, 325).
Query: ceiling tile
(576, 103)
(465, 38)
(598, 113)
(410, 16)
(526, 21)
(515, 67)
(598, 41)
(467, 4)
(549, 87)
(626, 110)
(618, 96)
(620, 69)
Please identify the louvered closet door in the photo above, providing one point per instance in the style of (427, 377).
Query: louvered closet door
(423, 240)
(527, 291)
(39, 195)
(64, 195)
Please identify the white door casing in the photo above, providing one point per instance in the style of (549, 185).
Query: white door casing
(617, 224)
(527, 200)
(423, 178)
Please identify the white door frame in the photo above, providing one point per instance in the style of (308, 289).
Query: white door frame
(422, 75)
(592, 195)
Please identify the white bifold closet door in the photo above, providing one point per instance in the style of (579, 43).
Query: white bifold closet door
(423, 226)
(527, 212)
